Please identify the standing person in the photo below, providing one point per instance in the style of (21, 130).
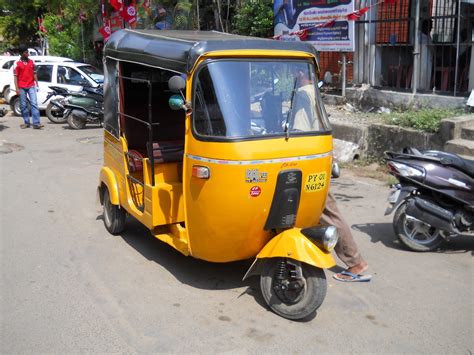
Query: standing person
(305, 113)
(26, 84)
(346, 248)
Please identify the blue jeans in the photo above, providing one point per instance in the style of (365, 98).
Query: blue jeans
(31, 92)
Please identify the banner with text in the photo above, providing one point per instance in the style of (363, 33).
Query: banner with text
(291, 16)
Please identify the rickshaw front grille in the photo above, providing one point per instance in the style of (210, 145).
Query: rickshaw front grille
(286, 199)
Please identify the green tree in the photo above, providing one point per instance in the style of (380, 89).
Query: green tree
(19, 20)
(254, 18)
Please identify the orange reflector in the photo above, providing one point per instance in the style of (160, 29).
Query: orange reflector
(201, 172)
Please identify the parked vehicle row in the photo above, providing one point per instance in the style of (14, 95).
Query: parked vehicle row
(75, 108)
(6, 65)
(75, 85)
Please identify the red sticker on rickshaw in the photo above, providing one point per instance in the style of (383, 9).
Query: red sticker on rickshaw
(255, 191)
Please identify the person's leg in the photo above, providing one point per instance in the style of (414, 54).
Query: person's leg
(346, 248)
(34, 107)
(24, 107)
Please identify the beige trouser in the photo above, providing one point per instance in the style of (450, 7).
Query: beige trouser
(346, 248)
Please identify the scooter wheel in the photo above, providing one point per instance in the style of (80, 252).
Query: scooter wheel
(288, 297)
(416, 235)
(75, 122)
(114, 217)
(55, 114)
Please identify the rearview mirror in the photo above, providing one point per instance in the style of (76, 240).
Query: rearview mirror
(320, 84)
(176, 102)
(176, 83)
(336, 171)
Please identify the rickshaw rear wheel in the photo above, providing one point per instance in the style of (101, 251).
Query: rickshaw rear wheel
(114, 216)
(292, 289)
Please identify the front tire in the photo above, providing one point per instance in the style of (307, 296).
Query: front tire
(75, 122)
(55, 114)
(416, 235)
(290, 297)
(114, 216)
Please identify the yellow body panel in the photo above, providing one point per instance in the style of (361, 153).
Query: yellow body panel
(223, 220)
(294, 245)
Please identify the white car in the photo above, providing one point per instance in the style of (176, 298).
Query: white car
(6, 62)
(69, 75)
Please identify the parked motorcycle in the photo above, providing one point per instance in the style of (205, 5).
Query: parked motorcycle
(434, 200)
(84, 107)
(55, 108)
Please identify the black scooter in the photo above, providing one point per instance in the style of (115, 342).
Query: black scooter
(434, 200)
(84, 107)
(55, 108)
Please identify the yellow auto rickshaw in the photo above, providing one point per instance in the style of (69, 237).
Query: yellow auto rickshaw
(220, 145)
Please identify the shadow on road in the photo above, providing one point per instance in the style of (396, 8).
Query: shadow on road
(188, 270)
(383, 233)
(191, 271)
(87, 127)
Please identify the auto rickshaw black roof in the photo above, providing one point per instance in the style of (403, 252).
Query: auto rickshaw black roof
(179, 50)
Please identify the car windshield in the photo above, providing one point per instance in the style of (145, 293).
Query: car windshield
(242, 99)
(94, 73)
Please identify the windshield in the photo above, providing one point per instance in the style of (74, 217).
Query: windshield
(237, 99)
(94, 73)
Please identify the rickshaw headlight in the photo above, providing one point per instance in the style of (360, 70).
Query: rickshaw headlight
(324, 237)
(331, 237)
(201, 172)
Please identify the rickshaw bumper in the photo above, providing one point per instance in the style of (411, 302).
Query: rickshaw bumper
(310, 245)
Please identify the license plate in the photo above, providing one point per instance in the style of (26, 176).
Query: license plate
(315, 182)
(394, 196)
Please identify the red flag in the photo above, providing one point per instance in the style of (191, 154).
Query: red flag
(303, 34)
(102, 9)
(117, 4)
(105, 30)
(328, 24)
(353, 16)
(129, 13)
(41, 26)
(115, 22)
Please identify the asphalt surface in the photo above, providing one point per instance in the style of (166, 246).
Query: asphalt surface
(69, 286)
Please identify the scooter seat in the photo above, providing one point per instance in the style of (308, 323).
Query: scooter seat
(465, 165)
(451, 159)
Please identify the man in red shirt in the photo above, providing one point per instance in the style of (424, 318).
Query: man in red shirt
(26, 84)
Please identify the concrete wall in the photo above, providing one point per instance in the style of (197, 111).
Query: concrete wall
(368, 96)
(381, 138)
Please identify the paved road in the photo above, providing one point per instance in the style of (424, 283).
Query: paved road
(69, 286)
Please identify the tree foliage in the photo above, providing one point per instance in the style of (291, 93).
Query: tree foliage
(66, 36)
(254, 18)
(18, 20)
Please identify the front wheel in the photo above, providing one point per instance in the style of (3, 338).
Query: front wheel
(415, 234)
(55, 114)
(292, 289)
